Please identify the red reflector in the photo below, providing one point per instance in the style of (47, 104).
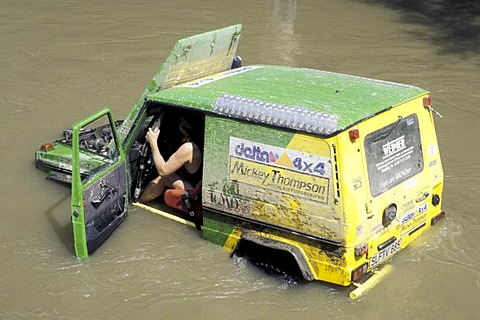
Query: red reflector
(427, 102)
(359, 272)
(46, 147)
(354, 134)
(361, 249)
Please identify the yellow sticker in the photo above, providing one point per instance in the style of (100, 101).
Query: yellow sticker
(278, 179)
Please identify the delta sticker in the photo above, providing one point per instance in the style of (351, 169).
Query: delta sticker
(280, 170)
(280, 157)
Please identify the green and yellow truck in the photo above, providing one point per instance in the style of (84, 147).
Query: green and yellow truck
(339, 172)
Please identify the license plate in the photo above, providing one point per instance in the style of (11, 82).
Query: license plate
(384, 254)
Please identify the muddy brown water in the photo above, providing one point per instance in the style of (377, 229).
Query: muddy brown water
(63, 60)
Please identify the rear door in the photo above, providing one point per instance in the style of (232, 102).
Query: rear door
(395, 164)
(99, 192)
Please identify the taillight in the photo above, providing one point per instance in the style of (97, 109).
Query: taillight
(361, 249)
(359, 272)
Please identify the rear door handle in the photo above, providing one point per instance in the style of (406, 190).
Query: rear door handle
(423, 197)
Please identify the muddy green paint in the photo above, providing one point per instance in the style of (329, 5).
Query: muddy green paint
(351, 98)
(217, 228)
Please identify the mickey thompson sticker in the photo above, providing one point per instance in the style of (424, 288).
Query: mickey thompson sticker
(278, 179)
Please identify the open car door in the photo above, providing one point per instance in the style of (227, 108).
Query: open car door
(99, 191)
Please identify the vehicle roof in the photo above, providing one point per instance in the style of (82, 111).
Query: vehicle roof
(349, 98)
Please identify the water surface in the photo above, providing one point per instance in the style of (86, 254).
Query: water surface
(64, 60)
